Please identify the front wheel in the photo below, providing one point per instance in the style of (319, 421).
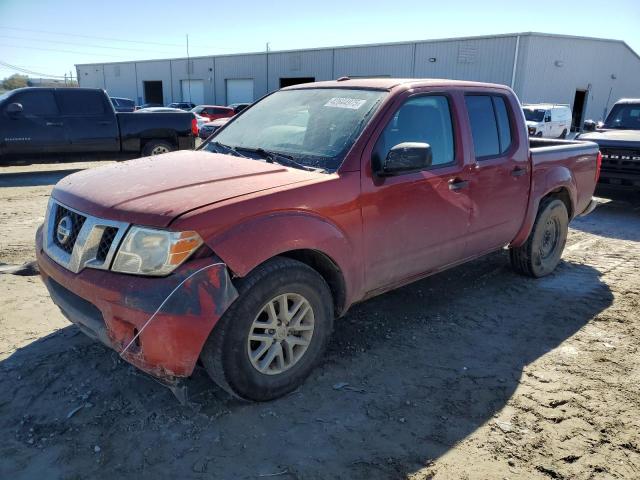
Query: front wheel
(541, 253)
(274, 334)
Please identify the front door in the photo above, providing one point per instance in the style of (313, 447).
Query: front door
(37, 129)
(500, 181)
(416, 222)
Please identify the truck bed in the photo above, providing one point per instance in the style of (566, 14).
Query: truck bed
(570, 162)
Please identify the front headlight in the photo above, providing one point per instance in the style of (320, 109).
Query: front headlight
(147, 251)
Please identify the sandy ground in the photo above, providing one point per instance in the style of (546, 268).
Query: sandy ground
(473, 373)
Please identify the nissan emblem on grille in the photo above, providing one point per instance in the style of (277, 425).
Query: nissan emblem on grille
(63, 230)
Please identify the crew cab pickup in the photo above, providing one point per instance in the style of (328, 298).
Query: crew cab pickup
(619, 141)
(38, 121)
(317, 197)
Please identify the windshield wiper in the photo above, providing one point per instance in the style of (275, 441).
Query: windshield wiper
(228, 149)
(281, 158)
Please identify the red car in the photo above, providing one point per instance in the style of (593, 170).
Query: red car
(242, 253)
(213, 112)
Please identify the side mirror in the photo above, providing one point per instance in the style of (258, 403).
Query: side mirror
(589, 126)
(547, 118)
(405, 157)
(14, 109)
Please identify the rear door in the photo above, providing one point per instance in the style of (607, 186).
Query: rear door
(500, 180)
(415, 222)
(37, 129)
(89, 120)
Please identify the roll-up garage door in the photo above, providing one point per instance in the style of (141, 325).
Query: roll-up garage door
(239, 90)
(193, 91)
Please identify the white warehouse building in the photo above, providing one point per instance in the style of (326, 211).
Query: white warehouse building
(589, 74)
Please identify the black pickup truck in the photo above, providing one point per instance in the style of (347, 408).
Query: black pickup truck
(38, 121)
(619, 141)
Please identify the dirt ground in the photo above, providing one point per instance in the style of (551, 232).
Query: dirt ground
(473, 373)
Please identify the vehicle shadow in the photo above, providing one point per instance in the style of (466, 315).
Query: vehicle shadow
(408, 375)
(34, 179)
(617, 216)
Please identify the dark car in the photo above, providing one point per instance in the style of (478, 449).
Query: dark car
(123, 104)
(149, 105)
(238, 107)
(37, 121)
(210, 128)
(619, 140)
(182, 105)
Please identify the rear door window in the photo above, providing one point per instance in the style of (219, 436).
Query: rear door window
(36, 103)
(490, 126)
(504, 129)
(80, 102)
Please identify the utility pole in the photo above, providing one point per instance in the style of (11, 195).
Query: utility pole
(188, 69)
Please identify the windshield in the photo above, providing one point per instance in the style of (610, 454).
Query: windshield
(533, 115)
(315, 127)
(624, 116)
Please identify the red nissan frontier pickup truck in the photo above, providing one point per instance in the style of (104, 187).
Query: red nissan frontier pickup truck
(319, 196)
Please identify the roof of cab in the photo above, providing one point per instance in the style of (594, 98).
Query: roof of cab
(390, 83)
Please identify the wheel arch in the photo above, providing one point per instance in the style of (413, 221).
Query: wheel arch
(308, 238)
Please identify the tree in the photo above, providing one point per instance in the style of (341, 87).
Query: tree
(14, 81)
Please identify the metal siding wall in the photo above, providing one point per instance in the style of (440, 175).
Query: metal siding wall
(316, 64)
(90, 76)
(390, 61)
(491, 62)
(202, 70)
(120, 79)
(156, 70)
(240, 66)
(587, 64)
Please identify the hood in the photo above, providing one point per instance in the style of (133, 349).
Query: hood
(531, 123)
(625, 135)
(153, 191)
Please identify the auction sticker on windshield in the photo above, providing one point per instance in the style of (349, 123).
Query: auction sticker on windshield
(350, 103)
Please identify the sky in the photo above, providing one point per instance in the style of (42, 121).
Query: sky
(50, 36)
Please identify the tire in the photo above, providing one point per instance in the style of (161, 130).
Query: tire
(156, 147)
(226, 353)
(539, 134)
(563, 135)
(537, 257)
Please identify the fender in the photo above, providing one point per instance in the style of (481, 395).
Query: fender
(546, 181)
(252, 242)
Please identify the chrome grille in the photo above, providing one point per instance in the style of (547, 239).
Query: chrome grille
(105, 243)
(89, 242)
(77, 221)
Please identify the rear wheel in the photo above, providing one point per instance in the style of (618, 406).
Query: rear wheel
(156, 147)
(541, 253)
(274, 334)
(563, 135)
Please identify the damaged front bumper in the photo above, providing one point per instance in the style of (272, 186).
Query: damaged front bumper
(157, 324)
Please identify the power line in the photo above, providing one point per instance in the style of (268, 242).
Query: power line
(85, 45)
(48, 32)
(61, 51)
(30, 72)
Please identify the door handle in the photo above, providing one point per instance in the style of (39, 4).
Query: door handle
(457, 184)
(106, 122)
(518, 171)
(54, 124)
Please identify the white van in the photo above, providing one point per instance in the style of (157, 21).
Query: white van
(547, 120)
